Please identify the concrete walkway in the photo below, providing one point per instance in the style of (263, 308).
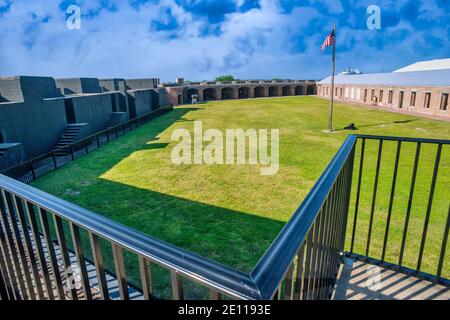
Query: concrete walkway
(361, 281)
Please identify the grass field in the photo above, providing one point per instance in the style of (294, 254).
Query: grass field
(231, 213)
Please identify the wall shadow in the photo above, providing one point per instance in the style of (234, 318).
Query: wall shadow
(234, 238)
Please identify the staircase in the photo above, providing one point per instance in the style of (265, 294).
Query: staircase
(70, 135)
(115, 119)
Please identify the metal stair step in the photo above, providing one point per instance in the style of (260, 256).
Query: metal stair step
(68, 137)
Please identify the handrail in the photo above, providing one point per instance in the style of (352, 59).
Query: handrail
(270, 270)
(227, 280)
(403, 139)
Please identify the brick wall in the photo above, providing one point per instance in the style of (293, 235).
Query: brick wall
(379, 96)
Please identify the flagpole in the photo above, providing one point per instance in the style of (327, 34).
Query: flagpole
(330, 118)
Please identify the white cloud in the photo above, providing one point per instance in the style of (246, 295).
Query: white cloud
(121, 43)
(260, 43)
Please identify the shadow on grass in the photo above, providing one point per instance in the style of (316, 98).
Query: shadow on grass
(237, 239)
(379, 124)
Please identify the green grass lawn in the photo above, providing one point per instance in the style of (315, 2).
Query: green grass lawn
(231, 213)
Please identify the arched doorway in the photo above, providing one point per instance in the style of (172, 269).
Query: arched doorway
(299, 91)
(190, 93)
(287, 91)
(209, 94)
(227, 93)
(259, 92)
(311, 90)
(273, 91)
(244, 93)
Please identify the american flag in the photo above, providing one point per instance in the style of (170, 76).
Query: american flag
(329, 41)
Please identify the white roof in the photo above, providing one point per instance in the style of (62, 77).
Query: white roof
(440, 64)
(433, 78)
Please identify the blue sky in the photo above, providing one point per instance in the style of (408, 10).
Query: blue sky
(201, 39)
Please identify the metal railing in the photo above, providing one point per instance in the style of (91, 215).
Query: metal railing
(301, 263)
(423, 161)
(32, 169)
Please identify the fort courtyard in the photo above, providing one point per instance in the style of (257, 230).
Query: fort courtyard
(232, 214)
(248, 151)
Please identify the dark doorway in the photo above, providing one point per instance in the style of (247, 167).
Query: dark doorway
(287, 91)
(227, 93)
(427, 100)
(132, 106)
(400, 99)
(244, 93)
(444, 102)
(2, 138)
(113, 102)
(311, 90)
(154, 99)
(70, 111)
(190, 93)
(299, 91)
(209, 94)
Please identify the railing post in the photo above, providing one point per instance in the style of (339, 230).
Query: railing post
(348, 192)
(32, 170)
(120, 271)
(71, 152)
(410, 201)
(443, 248)
(214, 295)
(358, 193)
(8, 268)
(31, 215)
(79, 252)
(10, 246)
(146, 278)
(391, 201)
(99, 267)
(43, 217)
(28, 245)
(64, 252)
(430, 204)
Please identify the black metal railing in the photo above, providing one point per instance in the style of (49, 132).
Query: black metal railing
(32, 169)
(414, 175)
(302, 262)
